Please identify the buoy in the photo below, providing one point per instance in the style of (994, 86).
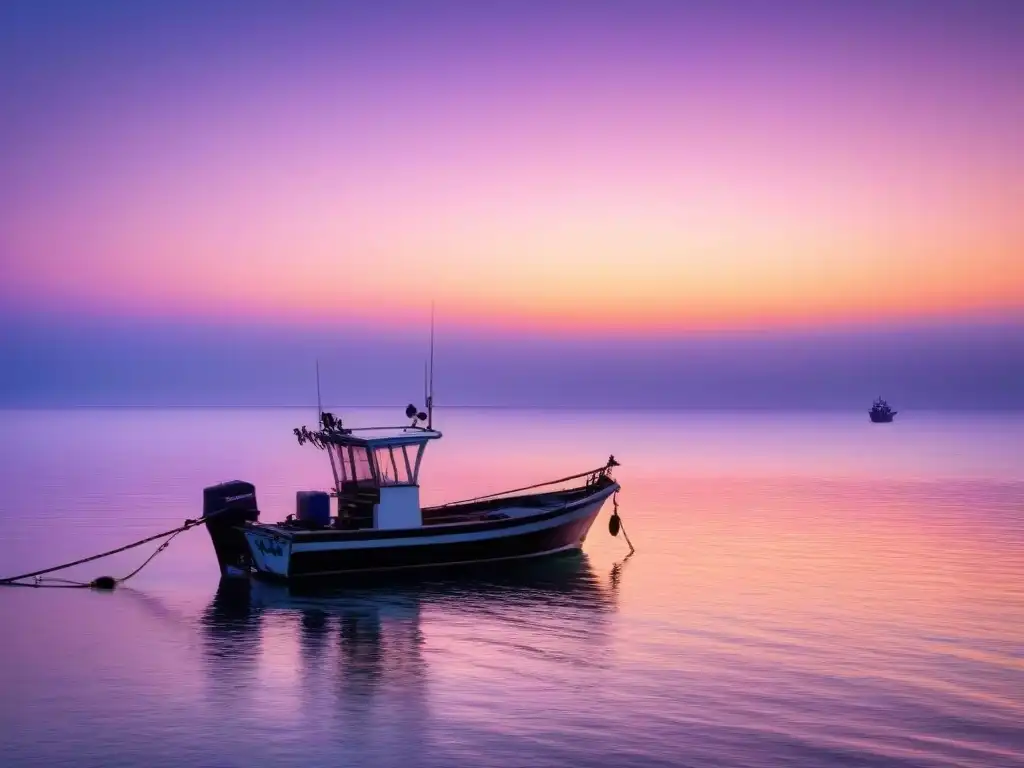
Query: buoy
(615, 523)
(105, 583)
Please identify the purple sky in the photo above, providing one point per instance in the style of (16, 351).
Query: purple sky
(649, 203)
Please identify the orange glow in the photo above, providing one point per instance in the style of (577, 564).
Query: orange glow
(598, 196)
(597, 273)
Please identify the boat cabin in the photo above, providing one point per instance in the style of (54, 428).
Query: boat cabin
(376, 476)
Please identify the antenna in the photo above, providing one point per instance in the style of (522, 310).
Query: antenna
(319, 404)
(320, 425)
(430, 392)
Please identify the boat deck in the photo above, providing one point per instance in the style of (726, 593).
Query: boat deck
(460, 513)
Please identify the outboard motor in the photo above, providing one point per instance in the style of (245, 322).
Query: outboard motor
(234, 503)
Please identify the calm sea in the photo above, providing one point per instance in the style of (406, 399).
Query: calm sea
(807, 590)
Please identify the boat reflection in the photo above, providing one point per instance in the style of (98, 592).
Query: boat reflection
(368, 647)
(238, 603)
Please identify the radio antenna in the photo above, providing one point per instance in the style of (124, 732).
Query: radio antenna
(430, 392)
(319, 403)
(320, 425)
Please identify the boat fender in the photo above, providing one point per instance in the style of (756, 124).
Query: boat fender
(615, 523)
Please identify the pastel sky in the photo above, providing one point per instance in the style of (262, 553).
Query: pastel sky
(651, 169)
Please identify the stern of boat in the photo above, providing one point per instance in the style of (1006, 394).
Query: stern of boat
(227, 507)
(271, 553)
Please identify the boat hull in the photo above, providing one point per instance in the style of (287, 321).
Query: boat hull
(881, 418)
(424, 550)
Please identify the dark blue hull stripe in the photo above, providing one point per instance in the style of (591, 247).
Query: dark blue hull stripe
(337, 561)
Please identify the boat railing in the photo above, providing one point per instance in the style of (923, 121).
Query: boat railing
(594, 476)
(402, 428)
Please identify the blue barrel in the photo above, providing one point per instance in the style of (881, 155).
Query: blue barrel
(313, 507)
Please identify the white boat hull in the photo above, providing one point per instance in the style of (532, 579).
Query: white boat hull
(277, 553)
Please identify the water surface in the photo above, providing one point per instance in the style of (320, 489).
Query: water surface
(808, 590)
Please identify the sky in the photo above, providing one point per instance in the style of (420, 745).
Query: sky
(601, 199)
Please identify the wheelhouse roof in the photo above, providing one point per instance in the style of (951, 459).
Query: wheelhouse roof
(374, 437)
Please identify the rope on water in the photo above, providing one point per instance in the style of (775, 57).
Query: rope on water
(102, 582)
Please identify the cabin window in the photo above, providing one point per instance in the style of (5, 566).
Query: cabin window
(419, 458)
(362, 469)
(392, 465)
(342, 462)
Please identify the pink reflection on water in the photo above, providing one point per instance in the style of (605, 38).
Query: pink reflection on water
(807, 580)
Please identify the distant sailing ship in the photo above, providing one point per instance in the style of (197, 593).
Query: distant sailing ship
(880, 412)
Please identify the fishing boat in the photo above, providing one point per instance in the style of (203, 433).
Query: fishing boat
(880, 412)
(371, 521)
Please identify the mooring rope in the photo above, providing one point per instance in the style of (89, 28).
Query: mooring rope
(109, 582)
(102, 582)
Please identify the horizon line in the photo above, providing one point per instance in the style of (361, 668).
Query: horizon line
(492, 406)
